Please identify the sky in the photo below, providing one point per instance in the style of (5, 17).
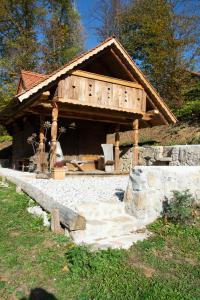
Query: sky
(85, 8)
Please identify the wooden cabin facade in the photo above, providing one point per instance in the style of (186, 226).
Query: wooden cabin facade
(101, 92)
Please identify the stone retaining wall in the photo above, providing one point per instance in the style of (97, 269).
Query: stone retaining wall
(179, 155)
(149, 186)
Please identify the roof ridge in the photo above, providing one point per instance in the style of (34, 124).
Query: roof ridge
(34, 73)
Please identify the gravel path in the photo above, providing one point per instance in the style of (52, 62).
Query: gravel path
(77, 189)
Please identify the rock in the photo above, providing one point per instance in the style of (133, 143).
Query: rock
(37, 211)
(180, 154)
(149, 187)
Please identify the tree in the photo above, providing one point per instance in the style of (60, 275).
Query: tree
(18, 43)
(63, 35)
(108, 13)
(162, 36)
(165, 41)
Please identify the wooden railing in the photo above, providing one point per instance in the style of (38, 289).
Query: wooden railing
(102, 91)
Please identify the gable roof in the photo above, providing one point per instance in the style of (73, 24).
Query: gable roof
(27, 80)
(36, 84)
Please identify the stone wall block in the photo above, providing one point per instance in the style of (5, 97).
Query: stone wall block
(149, 187)
(181, 155)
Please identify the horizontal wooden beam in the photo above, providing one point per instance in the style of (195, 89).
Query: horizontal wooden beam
(160, 114)
(117, 58)
(107, 79)
(69, 218)
(68, 114)
(148, 116)
(99, 106)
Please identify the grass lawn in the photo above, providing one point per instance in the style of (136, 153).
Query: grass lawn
(167, 266)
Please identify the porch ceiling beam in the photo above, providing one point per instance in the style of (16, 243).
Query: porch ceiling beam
(160, 114)
(73, 105)
(122, 64)
(72, 114)
(149, 115)
(18, 111)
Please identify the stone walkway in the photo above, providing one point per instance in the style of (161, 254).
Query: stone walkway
(98, 199)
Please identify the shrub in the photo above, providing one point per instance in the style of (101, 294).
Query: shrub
(5, 138)
(189, 111)
(180, 208)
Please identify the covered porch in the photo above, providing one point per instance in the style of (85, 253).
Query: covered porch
(99, 93)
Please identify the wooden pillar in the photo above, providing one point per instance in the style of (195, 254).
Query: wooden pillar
(41, 145)
(54, 129)
(117, 151)
(135, 142)
(15, 132)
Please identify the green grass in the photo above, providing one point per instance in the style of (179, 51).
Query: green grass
(167, 266)
(4, 138)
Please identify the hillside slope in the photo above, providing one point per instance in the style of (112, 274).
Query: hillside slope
(179, 134)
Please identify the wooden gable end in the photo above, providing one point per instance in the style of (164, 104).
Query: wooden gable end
(103, 82)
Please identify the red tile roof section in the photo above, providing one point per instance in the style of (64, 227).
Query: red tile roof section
(29, 80)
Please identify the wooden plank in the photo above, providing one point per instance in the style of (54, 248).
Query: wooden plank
(160, 114)
(93, 109)
(117, 58)
(41, 143)
(104, 78)
(117, 169)
(143, 107)
(96, 93)
(135, 142)
(93, 105)
(150, 115)
(69, 218)
(91, 116)
(55, 221)
(54, 128)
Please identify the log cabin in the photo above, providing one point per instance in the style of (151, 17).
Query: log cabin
(101, 92)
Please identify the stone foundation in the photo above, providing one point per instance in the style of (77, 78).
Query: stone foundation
(148, 187)
(180, 155)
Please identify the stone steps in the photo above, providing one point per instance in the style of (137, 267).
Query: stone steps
(108, 226)
(122, 242)
(101, 210)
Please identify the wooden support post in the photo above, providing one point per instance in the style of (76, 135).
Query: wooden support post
(117, 151)
(15, 131)
(18, 189)
(135, 142)
(54, 128)
(41, 145)
(55, 221)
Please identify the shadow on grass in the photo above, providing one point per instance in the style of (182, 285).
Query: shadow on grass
(39, 294)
